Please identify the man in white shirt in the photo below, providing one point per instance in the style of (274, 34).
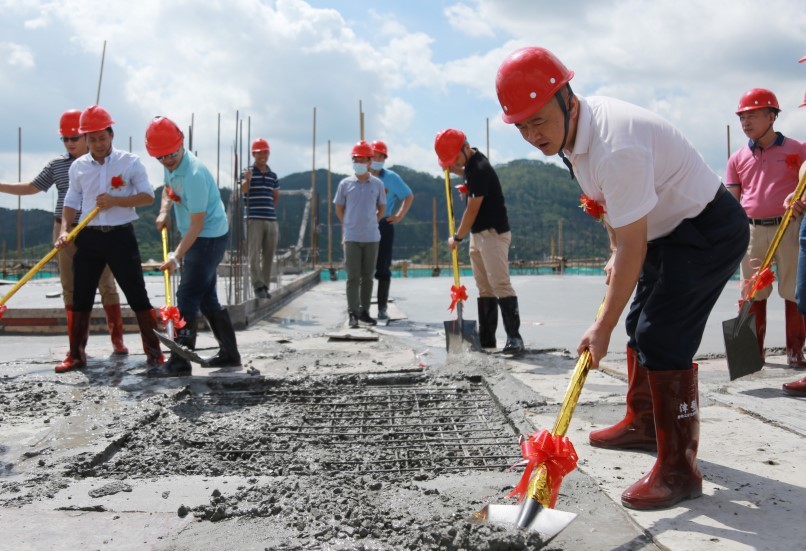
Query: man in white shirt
(116, 182)
(677, 237)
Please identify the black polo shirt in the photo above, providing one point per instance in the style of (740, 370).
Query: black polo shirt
(482, 181)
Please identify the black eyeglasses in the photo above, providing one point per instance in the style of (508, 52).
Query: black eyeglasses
(73, 139)
(173, 155)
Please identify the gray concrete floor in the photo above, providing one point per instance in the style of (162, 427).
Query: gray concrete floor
(752, 435)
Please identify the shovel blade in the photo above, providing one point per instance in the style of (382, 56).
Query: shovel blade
(741, 346)
(461, 335)
(182, 351)
(547, 523)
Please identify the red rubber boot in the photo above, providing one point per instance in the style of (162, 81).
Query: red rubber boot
(114, 321)
(795, 335)
(78, 330)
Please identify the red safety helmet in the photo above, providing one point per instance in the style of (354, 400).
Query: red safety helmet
(69, 123)
(448, 144)
(94, 119)
(379, 147)
(361, 149)
(163, 137)
(527, 80)
(260, 144)
(757, 98)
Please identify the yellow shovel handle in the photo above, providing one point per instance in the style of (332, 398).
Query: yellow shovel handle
(33, 271)
(166, 276)
(451, 226)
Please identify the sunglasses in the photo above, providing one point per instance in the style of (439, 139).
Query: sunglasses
(173, 155)
(73, 139)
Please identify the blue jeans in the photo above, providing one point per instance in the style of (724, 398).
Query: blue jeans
(800, 285)
(197, 288)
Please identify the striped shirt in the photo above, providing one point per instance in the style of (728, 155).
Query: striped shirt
(56, 172)
(260, 197)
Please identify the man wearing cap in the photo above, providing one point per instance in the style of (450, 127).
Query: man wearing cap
(761, 175)
(202, 221)
(360, 204)
(262, 192)
(677, 237)
(485, 222)
(396, 190)
(56, 173)
(116, 182)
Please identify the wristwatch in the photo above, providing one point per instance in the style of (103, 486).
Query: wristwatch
(456, 237)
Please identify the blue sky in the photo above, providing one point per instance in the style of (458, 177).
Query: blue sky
(417, 67)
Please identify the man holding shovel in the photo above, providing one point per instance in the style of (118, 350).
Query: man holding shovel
(56, 173)
(760, 176)
(677, 237)
(485, 221)
(115, 182)
(202, 221)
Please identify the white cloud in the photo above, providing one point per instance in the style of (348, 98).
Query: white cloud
(464, 19)
(17, 55)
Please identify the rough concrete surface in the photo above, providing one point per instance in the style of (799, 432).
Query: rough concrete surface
(317, 443)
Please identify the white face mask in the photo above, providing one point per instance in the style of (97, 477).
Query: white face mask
(360, 169)
(377, 166)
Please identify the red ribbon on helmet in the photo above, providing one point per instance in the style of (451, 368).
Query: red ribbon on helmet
(559, 456)
(591, 207)
(172, 195)
(3, 309)
(457, 294)
(171, 313)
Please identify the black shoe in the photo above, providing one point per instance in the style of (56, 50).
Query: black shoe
(366, 319)
(353, 323)
(262, 292)
(382, 315)
(174, 367)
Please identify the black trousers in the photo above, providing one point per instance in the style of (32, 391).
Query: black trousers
(682, 277)
(384, 261)
(117, 249)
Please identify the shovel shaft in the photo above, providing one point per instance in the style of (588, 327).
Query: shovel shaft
(33, 271)
(779, 234)
(451, 226)
(166, 276)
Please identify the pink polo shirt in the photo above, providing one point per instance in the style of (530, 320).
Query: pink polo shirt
(766, 176)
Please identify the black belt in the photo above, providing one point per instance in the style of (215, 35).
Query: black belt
(765, 221)
(106, 229)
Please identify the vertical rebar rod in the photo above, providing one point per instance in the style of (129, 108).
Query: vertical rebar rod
(329, 213)
(101, 75)
(313, 193)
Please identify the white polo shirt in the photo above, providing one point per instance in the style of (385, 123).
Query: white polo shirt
(636, 163)
(121, 175)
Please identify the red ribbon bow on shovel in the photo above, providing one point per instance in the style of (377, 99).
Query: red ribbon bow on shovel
(171, 313)
(760, 280)
(556, 452)
(457, 294)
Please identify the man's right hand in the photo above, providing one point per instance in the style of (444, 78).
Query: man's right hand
(163, 221)
(62, 241)
(246, 180)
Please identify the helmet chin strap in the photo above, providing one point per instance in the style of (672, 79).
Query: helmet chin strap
(567, 119)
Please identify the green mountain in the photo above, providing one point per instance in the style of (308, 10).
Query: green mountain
(540, 199)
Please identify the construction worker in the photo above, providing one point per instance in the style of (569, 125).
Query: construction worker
(360, 204)
(761, 175)
(677, 237)
(798, 388)
(262, 193)
(202, 221)
(55, 173)
(396, 189)
(485, 222)
(116, 182)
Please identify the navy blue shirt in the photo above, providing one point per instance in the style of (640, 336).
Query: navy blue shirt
(260, 197)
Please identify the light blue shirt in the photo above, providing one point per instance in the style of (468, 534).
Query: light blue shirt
(121, 175)
(361, 201)
(197, 192)
(395, 187)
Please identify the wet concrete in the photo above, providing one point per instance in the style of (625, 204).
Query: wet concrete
(103, 458)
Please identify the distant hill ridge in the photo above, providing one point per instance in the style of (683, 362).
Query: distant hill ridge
(538, 195)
